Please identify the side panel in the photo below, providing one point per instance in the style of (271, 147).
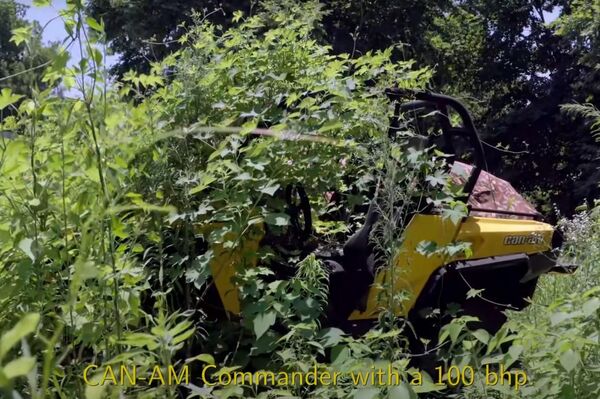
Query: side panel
(224, 265)
(488, 237)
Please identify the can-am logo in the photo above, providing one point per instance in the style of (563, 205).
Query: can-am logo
(523, 240)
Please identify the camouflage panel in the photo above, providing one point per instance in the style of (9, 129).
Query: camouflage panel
(492, 193)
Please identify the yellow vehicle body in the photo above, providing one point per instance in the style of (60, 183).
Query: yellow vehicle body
(507, 253)
(412, 270)
(489, 237)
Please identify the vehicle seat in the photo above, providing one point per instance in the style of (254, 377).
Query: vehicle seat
(358, 247)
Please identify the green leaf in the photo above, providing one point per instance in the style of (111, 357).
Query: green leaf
(95, 390)
(427, 385)
(401, 392)
(8, 98)
(455, 214)
(4, 381)
(591, 306)
(331, 125)
(139, 340)
(472, 293)
(19, 367)
(42, 3)
(559, 317)
(340, 354)
(23, 328)
(244, 176)
(26, 245)
(482, 335)
(262, 322)
(34, 203)
(515, 351)
(199, 270)
(426, 248)
(95, 25)
(366, 393)
(331, 337)
(20, 35)
(269, 188)
(204, 357)
(569, 360)
(15, 156)
(437, 179)
(455, 329)
(183, 336)
(277, 219)
(205, 181)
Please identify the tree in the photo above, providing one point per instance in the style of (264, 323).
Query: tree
(21, 62)
(500, 56)
(148, 30)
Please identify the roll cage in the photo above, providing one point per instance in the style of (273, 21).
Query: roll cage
(442, 104)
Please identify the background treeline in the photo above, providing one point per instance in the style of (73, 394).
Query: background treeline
(503, 58)
(119, 187)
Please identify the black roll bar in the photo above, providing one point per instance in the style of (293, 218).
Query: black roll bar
(441, 103)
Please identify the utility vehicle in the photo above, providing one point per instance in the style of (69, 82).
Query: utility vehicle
(511, 245)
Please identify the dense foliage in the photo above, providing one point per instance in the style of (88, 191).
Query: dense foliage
(505, 58)
(115, 201)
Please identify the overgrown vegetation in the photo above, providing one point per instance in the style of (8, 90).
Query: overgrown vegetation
(116, 198)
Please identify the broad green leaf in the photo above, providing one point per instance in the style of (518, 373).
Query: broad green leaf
(205, 181)
(199, 271)
(19, 367)
(472, 293)
(366, 393)
(331, 337)
(34, 203)
(25, 245)
(249, 127)
(7, 98)
(455, 213)
(4, 381)
(455, 329)
(331, 125)
(482, 335)
(569, 360)
(340, 354)
(427, 384)
(262, 322)
(42, 3)
(401, 392)
(559, 317)
(140, 340)
(269, 188)
(23, 328)
(591, 306)
(245, 176)
(277, 219)
(15, 158)
(21, 35)
(180, 327)
(437, 179)
(237, 15)
(86, 270)
(204, 357)
(183, 336)
(95, 25)
(426, 248)
(515, 351)
(95, 390)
